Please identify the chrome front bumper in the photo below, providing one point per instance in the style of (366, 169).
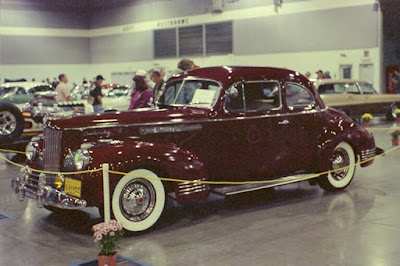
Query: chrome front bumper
(44, 194)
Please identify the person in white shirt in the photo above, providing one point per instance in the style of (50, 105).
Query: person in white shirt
(63, 93)
(89, 109)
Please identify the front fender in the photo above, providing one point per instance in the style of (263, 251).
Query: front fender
(166, 160)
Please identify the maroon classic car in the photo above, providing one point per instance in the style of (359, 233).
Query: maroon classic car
(214, 124)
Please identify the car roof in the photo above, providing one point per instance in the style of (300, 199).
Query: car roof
(231, 74)
(332, 81)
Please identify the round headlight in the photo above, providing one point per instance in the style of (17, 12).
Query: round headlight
(81, 159)
(32, 151)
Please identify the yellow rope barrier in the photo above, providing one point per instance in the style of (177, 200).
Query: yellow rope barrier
(198, 181)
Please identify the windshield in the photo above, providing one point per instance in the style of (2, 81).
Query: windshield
(367, 88)
(193, 92)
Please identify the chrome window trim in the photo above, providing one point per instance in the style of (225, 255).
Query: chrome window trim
(191, 78)
(313, 104)
(244, 110)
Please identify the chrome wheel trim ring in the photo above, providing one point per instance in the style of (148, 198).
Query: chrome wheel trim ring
(8, 123)
(137, 200)
(340, 159)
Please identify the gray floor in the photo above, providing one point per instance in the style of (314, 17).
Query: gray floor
(296, 224)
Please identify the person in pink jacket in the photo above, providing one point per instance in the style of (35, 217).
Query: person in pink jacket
(141, 95)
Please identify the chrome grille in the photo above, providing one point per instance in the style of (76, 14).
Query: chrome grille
(52, 149)
(367, 154)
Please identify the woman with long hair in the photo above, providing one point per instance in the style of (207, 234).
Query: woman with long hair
(141, 95)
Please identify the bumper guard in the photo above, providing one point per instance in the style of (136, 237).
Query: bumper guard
(45, 195)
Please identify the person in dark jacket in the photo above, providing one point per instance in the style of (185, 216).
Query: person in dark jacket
(96, 94)
(141, 95)
(159, 82)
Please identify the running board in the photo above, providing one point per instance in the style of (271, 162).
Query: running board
(236, 189)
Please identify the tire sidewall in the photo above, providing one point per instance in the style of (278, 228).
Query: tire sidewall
(5, 139)
(339, 184)
(159, 204)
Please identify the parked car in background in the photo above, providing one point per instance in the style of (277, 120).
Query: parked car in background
(11, 124)
(217, 124)
(21, 92)
(356, 97)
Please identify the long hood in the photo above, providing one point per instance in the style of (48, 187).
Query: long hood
(123, 119)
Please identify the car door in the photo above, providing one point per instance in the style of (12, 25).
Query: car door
(304, 119)
(254, 132)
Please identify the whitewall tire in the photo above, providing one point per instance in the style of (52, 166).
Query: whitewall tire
(138, 202)
(343, 159)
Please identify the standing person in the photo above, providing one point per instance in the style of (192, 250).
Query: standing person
(63, 93)
(55, 83)
(320, 74)
(159, 82)
(96, 94)
(186, 64)
(141, 95)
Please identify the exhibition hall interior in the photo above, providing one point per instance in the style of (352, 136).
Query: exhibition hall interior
(199, 132)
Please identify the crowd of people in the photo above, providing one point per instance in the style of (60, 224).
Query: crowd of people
(320, 74)
(143, 94)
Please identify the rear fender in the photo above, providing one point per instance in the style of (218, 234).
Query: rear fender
(358, 139)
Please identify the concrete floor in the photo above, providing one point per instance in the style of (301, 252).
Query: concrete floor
(296, 224)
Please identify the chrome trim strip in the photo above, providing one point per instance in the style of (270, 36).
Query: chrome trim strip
(198, 121)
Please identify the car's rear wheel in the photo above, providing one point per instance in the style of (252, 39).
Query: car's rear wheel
(11, 123)
(138, 202)
(342, 166)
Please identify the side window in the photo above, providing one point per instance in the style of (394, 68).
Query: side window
(297, 96)
(262, 96)
(352, 88)
(20, 91)
(235, 99)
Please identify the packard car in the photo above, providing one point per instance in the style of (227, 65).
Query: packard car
(220, 124)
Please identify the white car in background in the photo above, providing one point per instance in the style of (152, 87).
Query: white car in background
(356, 97)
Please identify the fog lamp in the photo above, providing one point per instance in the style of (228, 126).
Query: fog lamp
(32, 150)
(58, 181)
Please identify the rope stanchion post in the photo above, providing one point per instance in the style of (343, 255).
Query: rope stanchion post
(106, 192)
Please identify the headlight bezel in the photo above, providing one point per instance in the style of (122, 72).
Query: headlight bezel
(81, 159)
(32, 151)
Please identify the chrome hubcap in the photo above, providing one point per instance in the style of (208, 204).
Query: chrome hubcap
(8, 123)
(137, 200)
(340, 159)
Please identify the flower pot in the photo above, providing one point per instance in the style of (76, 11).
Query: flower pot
(395, 142)
(107, 260)
(366, 123)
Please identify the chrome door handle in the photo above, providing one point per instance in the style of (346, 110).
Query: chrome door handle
(284, 122)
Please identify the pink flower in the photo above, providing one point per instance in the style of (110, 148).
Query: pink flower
(114, 228)
(111, 233)
(99, 237)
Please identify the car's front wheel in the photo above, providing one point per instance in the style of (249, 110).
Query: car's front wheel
(11, 123)
(138, 202)
(342, 166)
